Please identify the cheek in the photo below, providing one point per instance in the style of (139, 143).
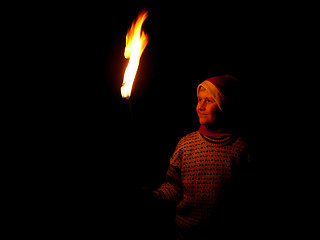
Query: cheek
(213, 110)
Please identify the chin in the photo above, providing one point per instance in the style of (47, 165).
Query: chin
(203, 122)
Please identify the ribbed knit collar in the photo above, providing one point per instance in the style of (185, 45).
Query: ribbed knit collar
(217, 141)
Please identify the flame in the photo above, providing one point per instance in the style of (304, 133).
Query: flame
(136, 42)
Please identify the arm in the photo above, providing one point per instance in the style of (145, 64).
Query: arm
(172, 188)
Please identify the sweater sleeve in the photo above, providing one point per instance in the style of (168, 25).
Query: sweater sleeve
(171, 189)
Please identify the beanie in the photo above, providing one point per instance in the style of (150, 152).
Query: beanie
(219, 88)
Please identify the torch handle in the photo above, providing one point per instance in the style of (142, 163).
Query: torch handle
(130, 108)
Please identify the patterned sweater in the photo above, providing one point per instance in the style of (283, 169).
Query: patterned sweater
(199, 170)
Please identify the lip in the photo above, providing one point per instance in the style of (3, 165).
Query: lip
(202, 115)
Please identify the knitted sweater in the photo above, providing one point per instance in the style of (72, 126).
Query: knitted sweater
(199, 170)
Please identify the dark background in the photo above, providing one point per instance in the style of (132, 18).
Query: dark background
(98, 161)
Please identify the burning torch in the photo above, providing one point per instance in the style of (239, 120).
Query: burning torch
(136, 42)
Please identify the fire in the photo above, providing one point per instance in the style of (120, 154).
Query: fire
(136, 42)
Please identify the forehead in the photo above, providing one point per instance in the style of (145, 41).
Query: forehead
(204, 93)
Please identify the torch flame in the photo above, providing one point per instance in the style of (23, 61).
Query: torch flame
(136, 42)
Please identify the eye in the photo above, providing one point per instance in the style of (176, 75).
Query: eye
(211, 100)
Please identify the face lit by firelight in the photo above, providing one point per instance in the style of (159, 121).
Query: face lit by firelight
(207, 107)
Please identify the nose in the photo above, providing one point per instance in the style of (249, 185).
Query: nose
(201, 105)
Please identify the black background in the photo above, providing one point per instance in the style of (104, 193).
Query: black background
(97, 161)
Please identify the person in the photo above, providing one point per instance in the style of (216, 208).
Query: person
(205, 163)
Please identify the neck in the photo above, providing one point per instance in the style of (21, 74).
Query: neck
(214, 131)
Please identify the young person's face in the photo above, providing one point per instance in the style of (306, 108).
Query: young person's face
(207, 108)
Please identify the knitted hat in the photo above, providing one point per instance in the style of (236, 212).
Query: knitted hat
(219, 88)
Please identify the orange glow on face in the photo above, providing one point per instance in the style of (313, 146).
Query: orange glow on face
(136, 42)
(206, 108)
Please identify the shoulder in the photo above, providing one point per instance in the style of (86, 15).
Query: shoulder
(188, 140)
(240, 140)
(241, 144)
